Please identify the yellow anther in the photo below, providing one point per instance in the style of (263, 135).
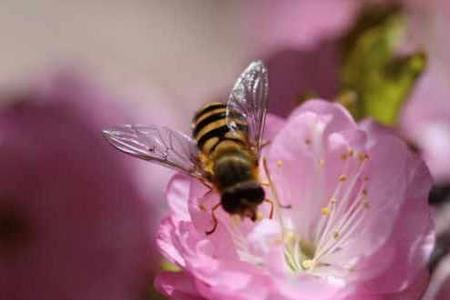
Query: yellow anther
(363, 156)
(308, 264)
(342, 177)
(350, 152)
(326, 211)
(347, 154)
(336, 235)
(279, 163)
(321, 162)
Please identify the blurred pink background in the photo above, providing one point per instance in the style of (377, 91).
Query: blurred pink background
(162, 59)
(186, 48)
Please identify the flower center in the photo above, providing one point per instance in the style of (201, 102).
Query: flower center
(299, 254)
(333, 230)
(335, 227)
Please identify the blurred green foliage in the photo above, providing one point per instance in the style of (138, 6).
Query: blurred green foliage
(374, 80)
(169, 267)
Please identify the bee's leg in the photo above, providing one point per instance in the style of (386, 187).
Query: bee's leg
(206, 183)
(271, 207)
(201, 205)
(210, 189)
(214, 218)
(264, 144)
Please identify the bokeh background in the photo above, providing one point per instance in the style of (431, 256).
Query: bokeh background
(77, 219)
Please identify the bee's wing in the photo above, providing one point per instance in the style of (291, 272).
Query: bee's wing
(248, 101)
(161, 145)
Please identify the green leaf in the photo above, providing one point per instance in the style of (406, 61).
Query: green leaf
(374, 80)
(169, 267)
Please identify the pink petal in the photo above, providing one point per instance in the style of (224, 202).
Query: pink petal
(166, 244)
(177, 285)
(177, 194)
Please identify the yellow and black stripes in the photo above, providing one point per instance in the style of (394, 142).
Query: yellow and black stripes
(210, 128)
(207, 109)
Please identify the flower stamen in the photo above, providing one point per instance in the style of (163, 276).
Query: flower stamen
(326, 211)
(342, 177)
(343, 217)
(321, 162)
(308, 264)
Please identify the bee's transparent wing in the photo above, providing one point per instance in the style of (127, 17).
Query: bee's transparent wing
(161, 145)
(248, 102)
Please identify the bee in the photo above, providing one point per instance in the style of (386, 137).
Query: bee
(224, 150)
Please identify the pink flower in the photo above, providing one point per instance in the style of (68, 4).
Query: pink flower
(359, 226)
(73, 222)
(426, 117)
(426, 120)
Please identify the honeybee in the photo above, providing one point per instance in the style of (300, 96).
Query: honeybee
(224, 150)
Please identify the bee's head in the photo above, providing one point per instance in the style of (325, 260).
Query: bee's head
(243, 198)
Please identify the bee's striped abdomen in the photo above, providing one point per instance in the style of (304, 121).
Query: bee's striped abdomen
(210, 128)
